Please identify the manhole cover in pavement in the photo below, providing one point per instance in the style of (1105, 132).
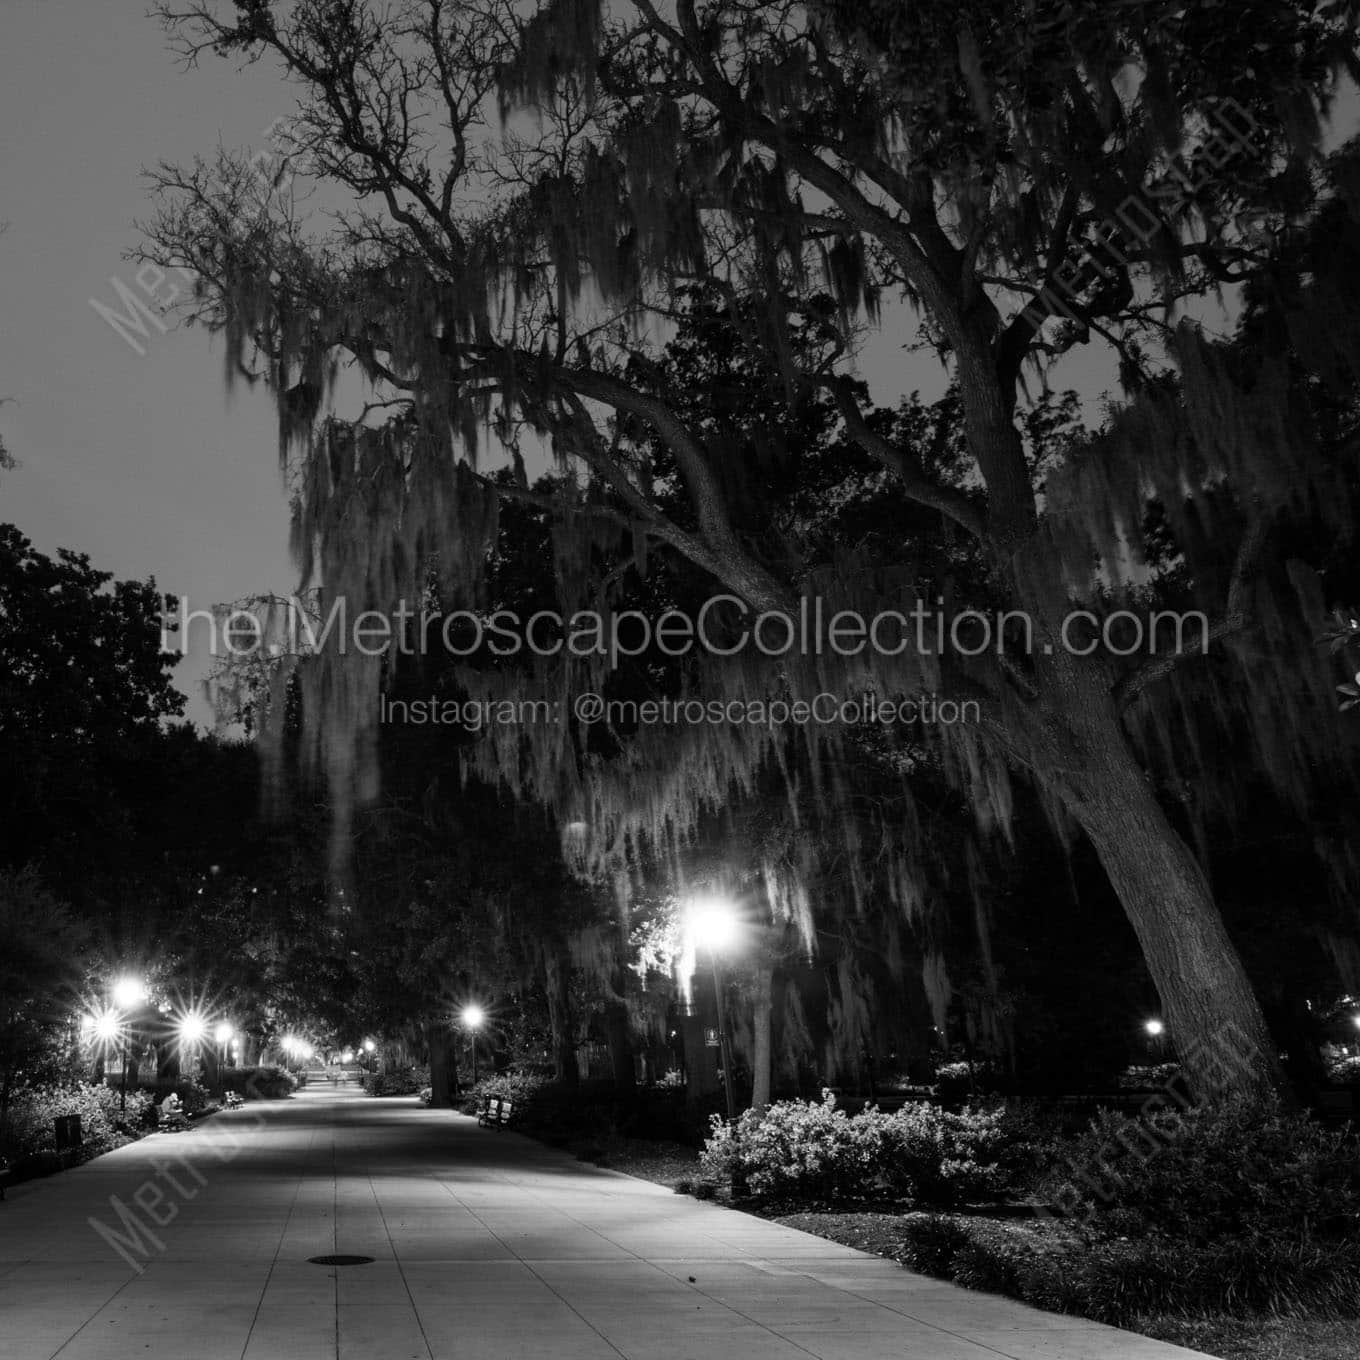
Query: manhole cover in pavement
(339, 1260)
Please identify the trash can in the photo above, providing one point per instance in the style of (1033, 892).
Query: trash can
(67, 1131)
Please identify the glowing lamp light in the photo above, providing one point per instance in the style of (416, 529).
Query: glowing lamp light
(347, 1055)
(193, 1028)
(128, 992)
(712, 923)
(223, 1032)
(473, 1016)
(1155, 1028)
(106, 1025)
(369, 1045)
(1355, 1020)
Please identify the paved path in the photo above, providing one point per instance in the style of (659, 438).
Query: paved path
(486, 1246)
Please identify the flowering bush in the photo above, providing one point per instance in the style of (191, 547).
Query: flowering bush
(29, 1126)
(795, 1147)
(940, 1157)
(919, 1152)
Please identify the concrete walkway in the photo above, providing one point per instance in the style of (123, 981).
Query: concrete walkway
(486, 1246)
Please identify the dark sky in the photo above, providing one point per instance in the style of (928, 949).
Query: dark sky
(142, 461)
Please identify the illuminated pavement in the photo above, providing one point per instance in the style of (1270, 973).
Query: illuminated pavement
(486, 1246)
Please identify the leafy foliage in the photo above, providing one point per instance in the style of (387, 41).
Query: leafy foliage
(29, 1126)
(1229, 1172)
(812, 1149)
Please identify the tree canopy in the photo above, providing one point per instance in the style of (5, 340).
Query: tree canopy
(534, 197)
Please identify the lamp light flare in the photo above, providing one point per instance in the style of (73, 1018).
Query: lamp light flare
(193, 1028)
(1155, 1028)
(369, 1045)
(473, 1016)
(223, 1032)
(712, 923)
(106, 1025)
(128, 992)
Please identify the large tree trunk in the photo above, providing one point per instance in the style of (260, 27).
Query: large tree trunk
(442, 1071)
(762, 1048)
(1211, 1012)
(618, 1032)
(557, 984)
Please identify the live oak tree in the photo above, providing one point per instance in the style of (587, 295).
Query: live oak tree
(1001, 183)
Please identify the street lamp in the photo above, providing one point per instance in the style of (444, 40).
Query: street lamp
(713, 925)
(473, 1017)
(127, 992)
(193, 1029)
(1155, 1028)
(222, 1035)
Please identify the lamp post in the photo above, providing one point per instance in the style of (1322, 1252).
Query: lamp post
(105, 1028)
(222, 1034)
(192, 1031)
(127, 993)
(1155, 1029)
(713, 924)
(472, 1018)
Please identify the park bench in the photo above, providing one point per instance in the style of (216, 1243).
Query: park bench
(496, 1112)
(232, 1101)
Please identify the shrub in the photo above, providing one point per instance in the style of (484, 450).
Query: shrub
(1214, 1174)
(193, 1097)
(1345, 1072)
(29, 1129)
(256, 1083)
(521, 1089)
(426, 1094)
(940, 1157)
(1150, 1077)
(796, 1147)
(1118, 1280)
(1032, 1140)
(954, 1081)
(399, 1081)
(812, 1149)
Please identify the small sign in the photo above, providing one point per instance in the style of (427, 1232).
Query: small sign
(711, 1038)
